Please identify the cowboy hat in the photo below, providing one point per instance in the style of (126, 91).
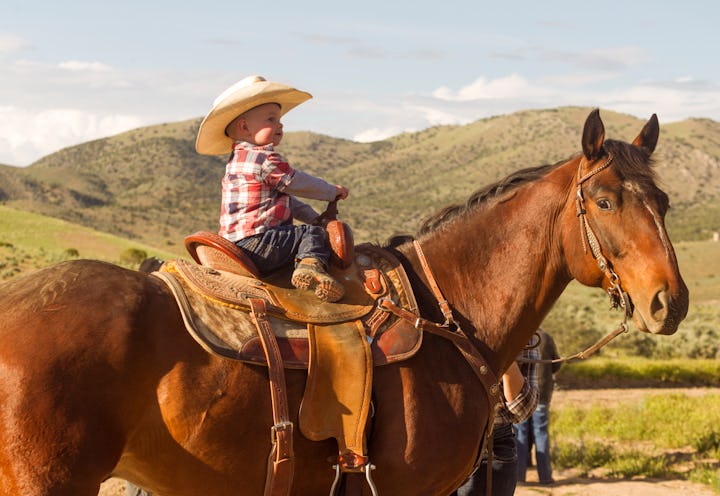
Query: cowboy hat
(242, 96)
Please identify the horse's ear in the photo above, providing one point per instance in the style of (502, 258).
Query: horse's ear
(593, 135)
(649, 134)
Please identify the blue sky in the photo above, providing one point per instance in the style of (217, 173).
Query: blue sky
(72, 71)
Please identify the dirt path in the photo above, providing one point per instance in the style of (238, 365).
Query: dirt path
(567, 485)
(566, 482)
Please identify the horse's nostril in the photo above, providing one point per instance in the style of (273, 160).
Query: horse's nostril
(659, 306)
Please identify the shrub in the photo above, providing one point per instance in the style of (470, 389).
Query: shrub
(133, 256)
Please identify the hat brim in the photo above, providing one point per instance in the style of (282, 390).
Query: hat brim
(211, 138)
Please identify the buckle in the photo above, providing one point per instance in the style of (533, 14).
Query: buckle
(281, 426)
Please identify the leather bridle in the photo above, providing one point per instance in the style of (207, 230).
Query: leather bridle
(588, 238)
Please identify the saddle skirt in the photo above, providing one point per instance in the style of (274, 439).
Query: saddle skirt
(216, 311)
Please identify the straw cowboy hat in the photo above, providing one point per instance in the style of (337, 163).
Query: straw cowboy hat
(242, 96)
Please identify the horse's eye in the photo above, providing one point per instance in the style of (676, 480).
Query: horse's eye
(604, 204)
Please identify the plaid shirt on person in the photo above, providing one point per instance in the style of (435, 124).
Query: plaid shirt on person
(524, 404)
(252, 191)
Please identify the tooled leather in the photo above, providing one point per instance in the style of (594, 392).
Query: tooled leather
(223, 325)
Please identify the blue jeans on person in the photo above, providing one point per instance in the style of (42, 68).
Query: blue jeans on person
(281, 246)
(504, 467)
(538, 422)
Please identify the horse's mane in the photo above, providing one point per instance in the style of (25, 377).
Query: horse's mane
(631, 163)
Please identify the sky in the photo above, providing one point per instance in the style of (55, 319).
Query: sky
(72, 71)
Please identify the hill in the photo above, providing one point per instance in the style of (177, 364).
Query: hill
(150, 185)
(31, 241)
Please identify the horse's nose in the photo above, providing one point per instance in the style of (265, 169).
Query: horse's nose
(659, 306)
(667, 310)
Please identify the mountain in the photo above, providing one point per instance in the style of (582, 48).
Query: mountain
(150, 185)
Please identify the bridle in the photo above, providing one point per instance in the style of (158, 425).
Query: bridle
(618, 297)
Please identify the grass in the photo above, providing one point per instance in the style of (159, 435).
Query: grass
(30, 241)
(609, 372)
(673, 435)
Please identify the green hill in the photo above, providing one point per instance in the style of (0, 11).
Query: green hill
(150, 185)
(30, 241)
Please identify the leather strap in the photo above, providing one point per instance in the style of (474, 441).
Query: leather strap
(444, 305)
(281, 462)
(472, 355)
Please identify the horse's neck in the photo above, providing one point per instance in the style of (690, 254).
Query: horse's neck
(501, 266)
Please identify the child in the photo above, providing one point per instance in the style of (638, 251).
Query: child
(260, 188)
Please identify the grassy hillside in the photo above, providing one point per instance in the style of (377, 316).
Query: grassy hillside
(149, 184)
(30, 241)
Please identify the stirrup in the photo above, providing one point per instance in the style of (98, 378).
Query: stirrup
(367, 468)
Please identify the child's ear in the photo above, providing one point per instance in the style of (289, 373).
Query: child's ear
(236, 128)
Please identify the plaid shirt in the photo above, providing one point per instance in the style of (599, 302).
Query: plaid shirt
(525, 403)
(252, 191)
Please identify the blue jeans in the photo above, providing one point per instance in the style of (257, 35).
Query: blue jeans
(504, 467)
(538, 422)
(281, 246)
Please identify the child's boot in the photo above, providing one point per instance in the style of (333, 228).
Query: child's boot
(310, 274)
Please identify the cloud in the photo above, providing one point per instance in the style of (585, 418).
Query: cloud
(28, 135)
(377, 134)
(672, 101)
(504, 88)
(10, 43)
(80, 66)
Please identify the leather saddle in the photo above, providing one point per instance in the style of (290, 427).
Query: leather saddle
(338, 343)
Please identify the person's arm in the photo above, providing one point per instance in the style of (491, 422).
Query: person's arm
(513, 382)
(520, 388)
(307, 186)
(302, 211)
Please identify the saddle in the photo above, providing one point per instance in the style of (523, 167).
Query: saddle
(233, 313)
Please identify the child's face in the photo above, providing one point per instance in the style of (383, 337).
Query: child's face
(261, 125)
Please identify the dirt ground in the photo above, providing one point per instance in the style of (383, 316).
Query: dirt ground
(565, 485)
(566, 482)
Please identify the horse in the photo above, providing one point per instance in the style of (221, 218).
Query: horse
(98, 378)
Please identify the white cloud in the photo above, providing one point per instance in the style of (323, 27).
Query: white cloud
(508, 87)
(671, 102)
(376, 134)
(28, 135)
(77, 65)
(10, 43)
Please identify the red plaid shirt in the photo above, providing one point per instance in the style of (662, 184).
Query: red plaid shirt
(252, 191)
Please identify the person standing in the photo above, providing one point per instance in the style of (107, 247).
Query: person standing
(536, 427)
(520, 394)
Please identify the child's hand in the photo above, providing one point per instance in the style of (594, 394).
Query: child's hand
(341, 192)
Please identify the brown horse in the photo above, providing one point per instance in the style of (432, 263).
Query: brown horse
(98, 377)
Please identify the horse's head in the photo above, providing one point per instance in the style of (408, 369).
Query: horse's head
(623, 245)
